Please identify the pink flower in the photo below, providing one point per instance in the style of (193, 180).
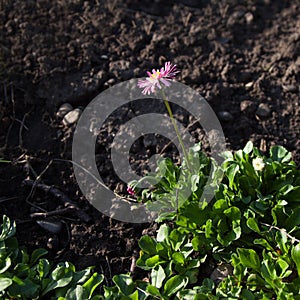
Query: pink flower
(164, 75)
(130, 190)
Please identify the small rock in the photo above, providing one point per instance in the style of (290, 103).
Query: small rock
(221, 272)
(249, 18)
(263, 110)
(249, 85)
(289, 88)
(225, 116)
(110, 82)
(50, 225)
(53, 243)
(64, 109)
(72, 117)
(247, 106)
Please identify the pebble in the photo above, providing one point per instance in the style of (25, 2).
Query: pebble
(50, 225)
(72, 116)
(249, 85)
(263, 110)
(53, 243)
(249, 18)
(289, 88)
(225, 116)
(247, 106)
(221, 272)
(64, 109)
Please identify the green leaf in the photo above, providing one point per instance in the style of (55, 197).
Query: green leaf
(249, 258)
(208, 229)
(178, 258)
(153, 261)
(263, 243)
(268, 271)
(148, 245)
(36, 254)
(233, 213)
(153, 291)
(162, 233)
(26, 288)
(296, 257)
(61, 276)
(5, 283)
(91, 284)
(195, 182)
(280, 154)
(176, 239)
(22, 270)
(248, 148)
(5, 264)
(252, 224)
(282, 266)
(293, 195)
(43, 268)
(231, 171)
(247, 295)
(157, 277)
(174, 284)
(293, 220)
(124, 283)
(76, 293)
(8, 228)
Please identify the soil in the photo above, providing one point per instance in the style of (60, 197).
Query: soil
(243, 57)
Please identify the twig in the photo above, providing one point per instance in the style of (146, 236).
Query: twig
(13, 116)
(95, 178)
(109, 269)
(52, 213)
(283, 231)
(133, 264)
(59, 195)
(3, 199)
(21, 129)
(102, 271)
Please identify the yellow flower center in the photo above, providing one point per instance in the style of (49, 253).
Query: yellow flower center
(155, 75)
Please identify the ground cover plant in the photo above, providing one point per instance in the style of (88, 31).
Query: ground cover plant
(243, 57)
(250, 230)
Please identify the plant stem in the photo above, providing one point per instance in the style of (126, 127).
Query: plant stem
(175, 127)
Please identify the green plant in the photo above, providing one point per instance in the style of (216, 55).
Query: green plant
(24, 276)
(252, 225)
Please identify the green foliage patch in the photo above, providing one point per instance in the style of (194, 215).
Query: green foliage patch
(252, 225)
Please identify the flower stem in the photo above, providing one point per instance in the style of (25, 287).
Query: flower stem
(175, 127)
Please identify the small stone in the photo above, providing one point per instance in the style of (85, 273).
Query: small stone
(247, 106)
(221, 272)
(110, 82)
(64, 109)
(263, 110)
(249, 85)
(225, 116)
(53, 243)
(249, 18)
(72, 117)
(50, 225)
(289, 88)
(104, 56)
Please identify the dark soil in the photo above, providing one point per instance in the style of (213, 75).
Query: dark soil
(238, 56)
